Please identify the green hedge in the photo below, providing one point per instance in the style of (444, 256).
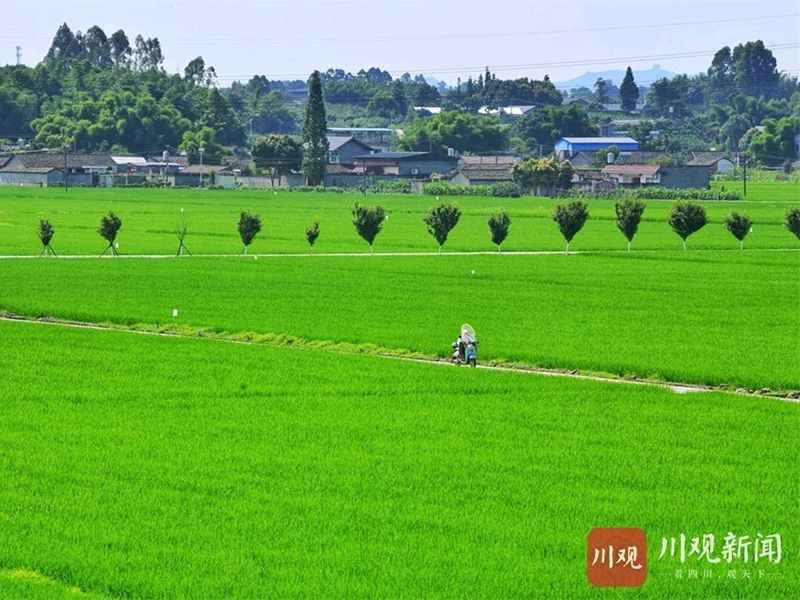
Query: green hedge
(658, 193)
(499, 190)
(760, 175)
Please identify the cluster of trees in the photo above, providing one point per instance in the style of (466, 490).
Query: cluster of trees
(741, 89)
(490, 91)
(537, 131)
(94, 92)
(453, 129)
(543, 175)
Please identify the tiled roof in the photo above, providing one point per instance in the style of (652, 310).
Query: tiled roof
(337, 141)
(29, 170)
(192, 169)
(488, 172)
(627, 169)
(639, 157)
(4, 160)
(489, 160)
(73, 161)
(705, 159)
(485, 174)
(587, 154)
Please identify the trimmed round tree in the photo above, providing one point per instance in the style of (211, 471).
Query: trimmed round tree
(46, 231)
(248, 227)
(441, 220)
(792, 221)
(499, 222)
(110, 225)
(739, 225)
(312, 233)
(570, 217)
(368, 221)
(686, 218)
(628, 216)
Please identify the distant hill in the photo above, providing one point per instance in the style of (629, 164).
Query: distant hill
(587, 79)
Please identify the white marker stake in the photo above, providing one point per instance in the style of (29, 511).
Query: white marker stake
(255, 257)
(174, 312)
(116, 245)
(473, 271)
(181, 210)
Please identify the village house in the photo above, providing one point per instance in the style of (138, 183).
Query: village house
(717, 162)
(481, 174)
(412, 165)
(567, 146)
(637, 175)
(342, 150)
(36, 168)
(378, 138)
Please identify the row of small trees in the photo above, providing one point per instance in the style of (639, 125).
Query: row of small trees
(685, 218)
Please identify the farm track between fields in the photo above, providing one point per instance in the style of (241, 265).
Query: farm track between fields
(677, 387)
(382, 254)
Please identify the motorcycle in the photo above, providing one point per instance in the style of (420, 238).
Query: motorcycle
(465, 349)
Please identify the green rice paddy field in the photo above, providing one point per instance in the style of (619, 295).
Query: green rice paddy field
(149, 218)
(703, 317)
(139, 466)
(143, 467)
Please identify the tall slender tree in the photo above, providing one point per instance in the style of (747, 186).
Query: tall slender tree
(628, 91)
(601, 91)
(315, 127)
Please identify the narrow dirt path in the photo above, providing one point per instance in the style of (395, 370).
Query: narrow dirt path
(678, 388)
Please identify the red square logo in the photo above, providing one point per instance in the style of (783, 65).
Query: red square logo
(616, 557)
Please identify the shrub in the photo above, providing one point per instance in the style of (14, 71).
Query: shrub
(570, 217)
(441, 220)
(499, 223)
(792, 222)
(628, 216)
(505, 189)
(368, 221)
(110, 225)
(739, 225)
(398, 186)
(312, 233)
(248, 227)
(685, 218)
(46, 232)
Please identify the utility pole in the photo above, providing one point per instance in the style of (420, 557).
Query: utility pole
(364, 177)
(201, 149)
(66, 181)
(744, 172)
(555, 176)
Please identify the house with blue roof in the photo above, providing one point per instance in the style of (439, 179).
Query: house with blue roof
(568, 146)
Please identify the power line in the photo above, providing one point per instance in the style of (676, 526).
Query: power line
(510, 67)
(417, 38)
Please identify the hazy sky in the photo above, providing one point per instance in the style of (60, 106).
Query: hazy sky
(445, 39)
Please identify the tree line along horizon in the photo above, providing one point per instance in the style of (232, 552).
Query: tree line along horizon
(94, 92)
(684, 217)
